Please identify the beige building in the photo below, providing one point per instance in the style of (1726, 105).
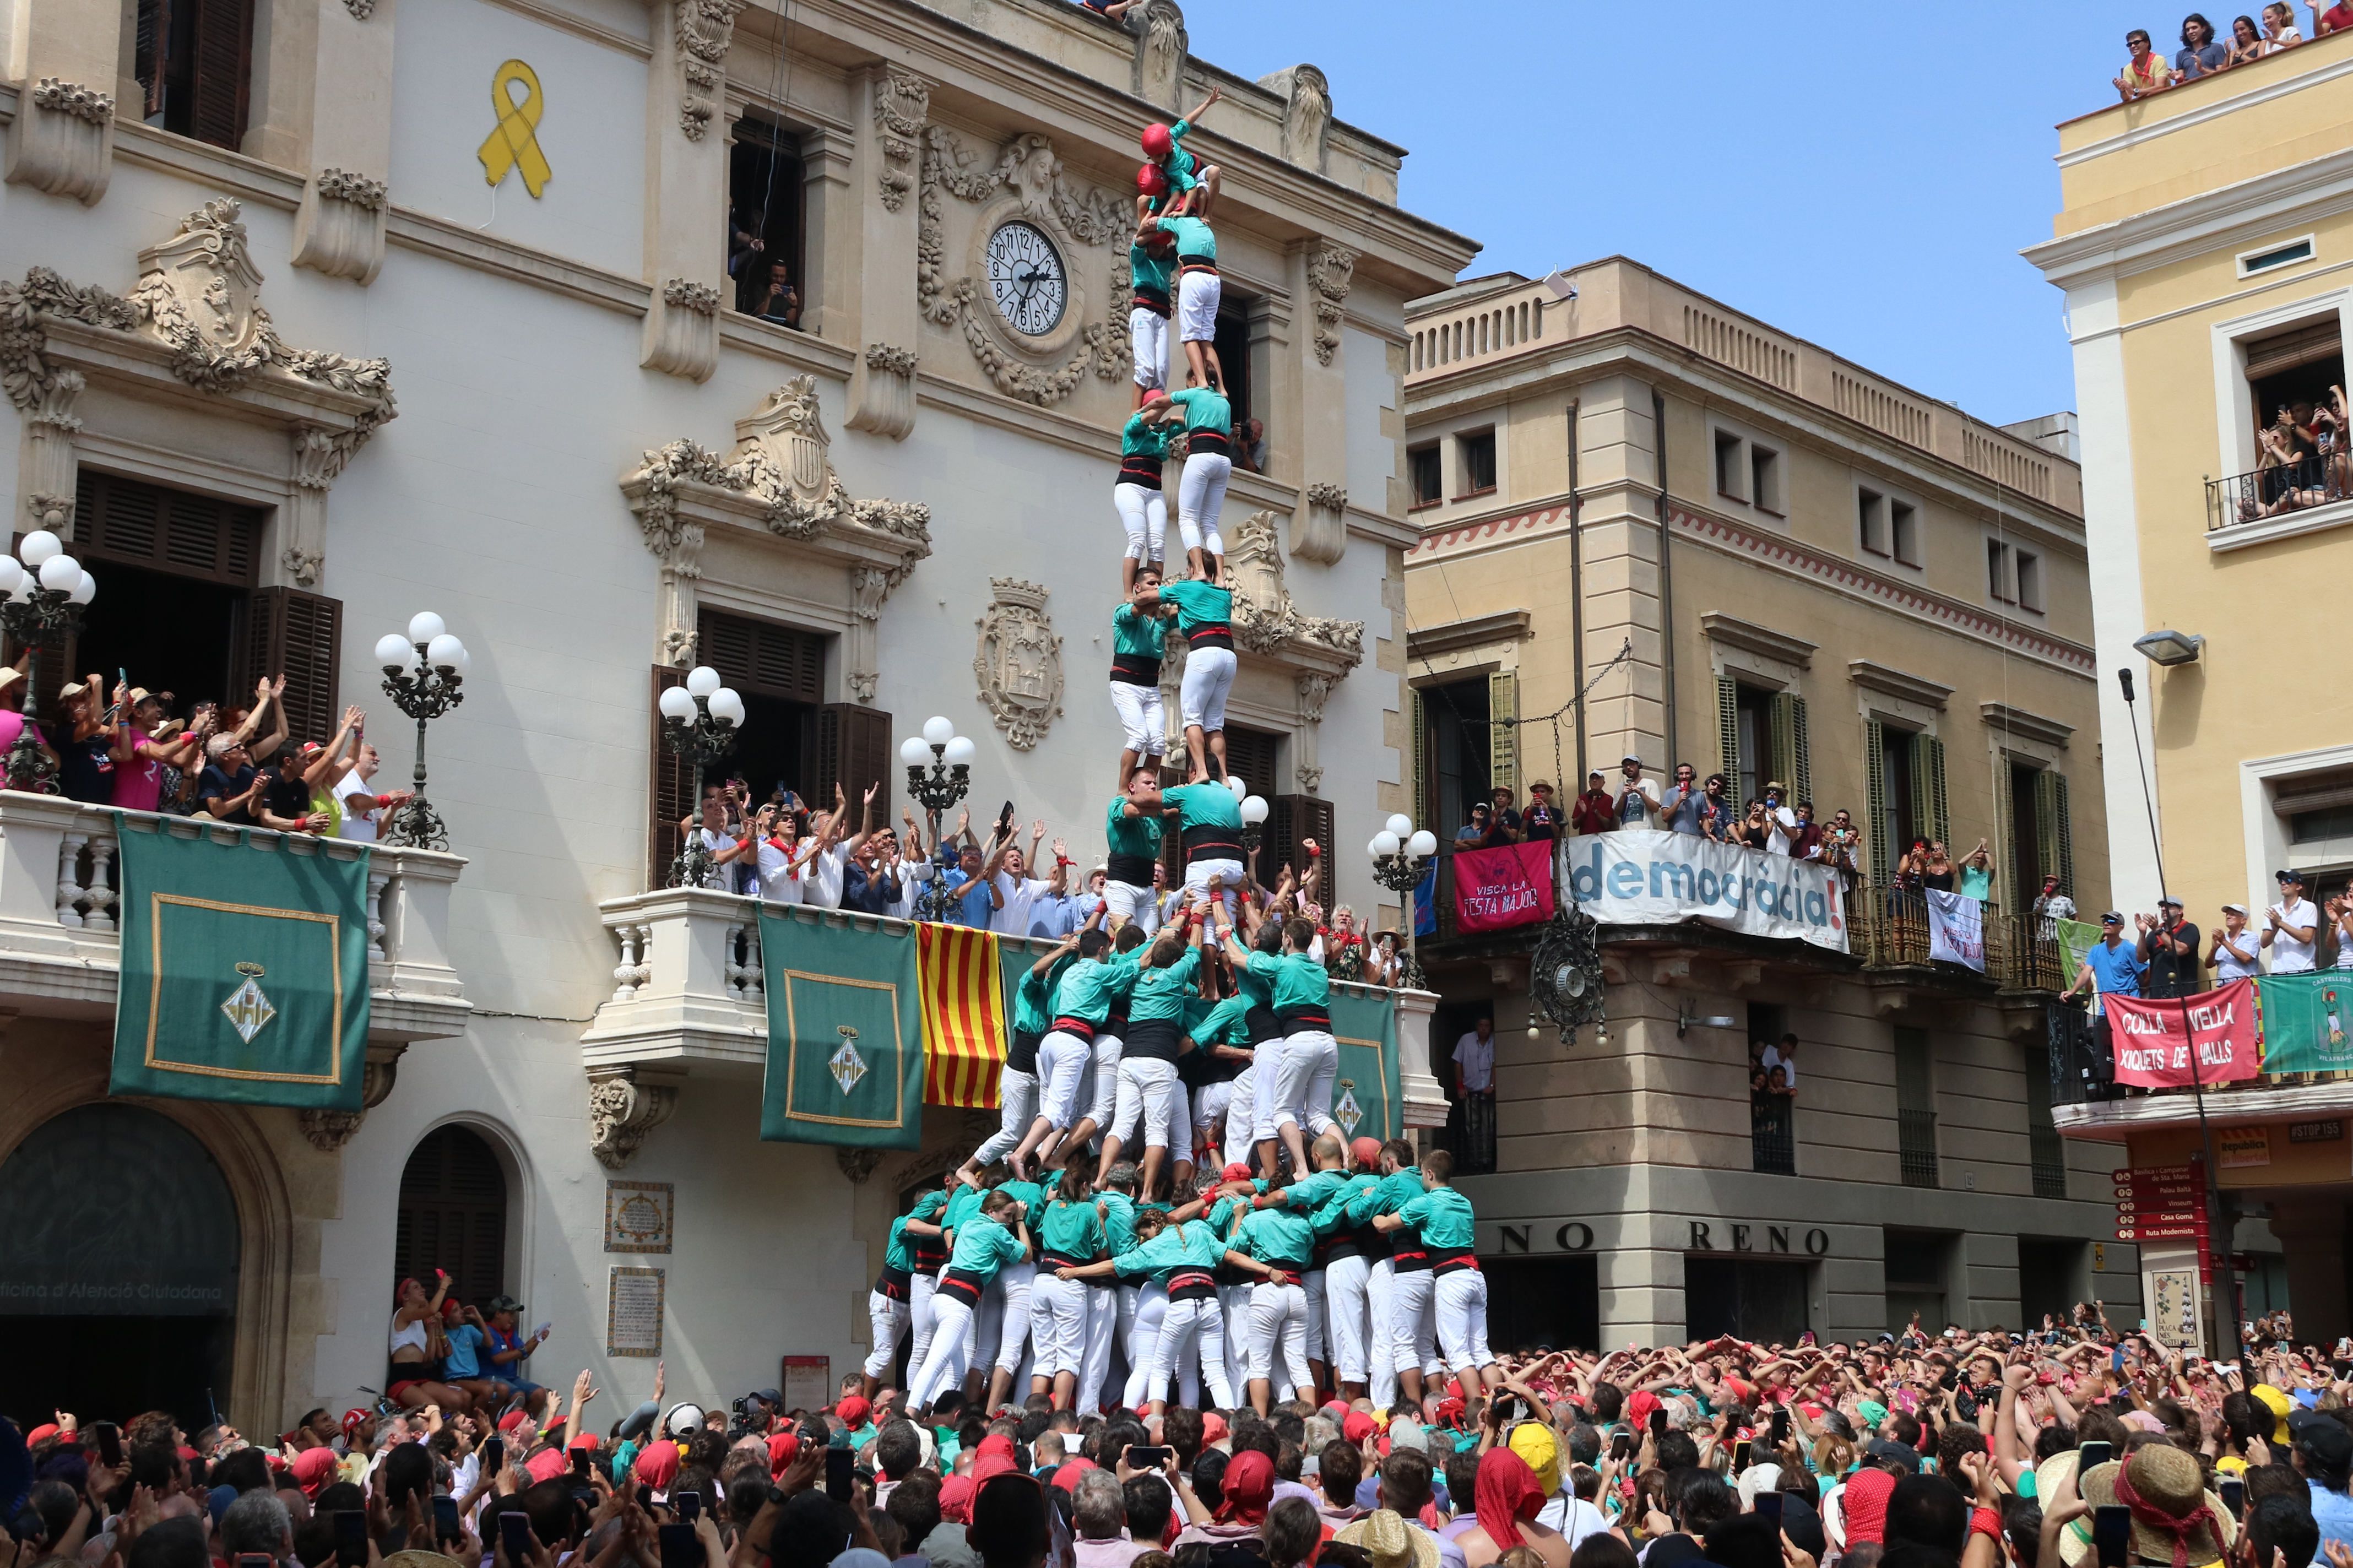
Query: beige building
(1817, 576)
(2202, 242)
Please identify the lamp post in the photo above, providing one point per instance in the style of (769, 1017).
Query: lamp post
(699, 723)
(47, 590)
(1253, 810)
(423, 672)
(937, 786)
(1401, 855)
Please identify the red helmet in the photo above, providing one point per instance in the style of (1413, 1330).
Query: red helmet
(1151, 181)
(1158, 142)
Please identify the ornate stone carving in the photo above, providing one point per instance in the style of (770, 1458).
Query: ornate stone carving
(688, 295)
(704, 31)
(1266, 620)
(622, 1110)
(1029, 167)
(303, 565)
(681, 335)
(884, 395)
(1329, 272)
(1019, 662)
(359, 190)
(1306, 117)
(340, 229)
(1160, 49)
(883, 356)
(361, 10)
(1329, 496)
(25, 374)
(329, 1131)
(858, 1164)
(902, 104)
(1314, 688)
(1319, 530)
(63, 140)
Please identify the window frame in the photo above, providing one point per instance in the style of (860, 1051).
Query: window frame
(2248, 261)
(2027, 578)
(1873, 509)
(2002, 581)
(1415, 500)
(1465, 442)
(2236, 452)
(1767, 488)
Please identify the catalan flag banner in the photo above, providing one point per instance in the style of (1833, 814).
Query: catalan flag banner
(958, 975)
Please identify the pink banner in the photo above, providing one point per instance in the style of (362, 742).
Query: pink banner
(1497, 889)
(2153, 1039)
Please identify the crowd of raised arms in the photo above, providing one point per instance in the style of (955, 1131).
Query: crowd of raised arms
(2068, 1444)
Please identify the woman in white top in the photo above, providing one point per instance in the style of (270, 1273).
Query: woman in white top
(2279, 28)
(413, 1377)
(784, 855)
(2340, 923)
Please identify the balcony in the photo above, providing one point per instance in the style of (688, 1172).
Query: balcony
(2279, 502)
(1773, 1134)
(690, 1000)
(2078, 1109)
(61, 951)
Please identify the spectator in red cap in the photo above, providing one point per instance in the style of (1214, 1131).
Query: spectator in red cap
(657, 1467)
(857, 1418)
(313, 1469)
(1508, 1498)
(1865, 1506)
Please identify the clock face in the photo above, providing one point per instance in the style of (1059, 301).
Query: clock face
(1025, 273)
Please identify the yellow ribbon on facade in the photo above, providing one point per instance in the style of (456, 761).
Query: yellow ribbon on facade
(514, 143)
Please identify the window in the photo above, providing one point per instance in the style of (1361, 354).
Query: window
(1997, 571)
(1537, 1301)
(1772, 1118)
(1422, 472)
(1916, 1107)
(2253, 261)
(1731, 471)
(1764, 478)
(453, 1215)
(2045, 1149)
(194, 59)
(766, 210)
(1892, 821)
(2028, 567)
(1456, 759)
(1754, 708)
(1763, 737)
(1917, 1263)
(1871, 510)
(1237, 312)
(1759, 1302)
(1903, 530)
(1478, 458)
(2292, 371)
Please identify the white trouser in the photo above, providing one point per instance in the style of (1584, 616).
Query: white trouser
(1208, 1106)
(1147, 1098)
(1126, 900)
(920, 1294)
(1313, 1283)
(1094, 1356)
(1380, 1310)
(1191, 1325)
(1058, 1323)
(1198, 872)
(1013, 1320)
(1209, 681)
(1143, 513)
(1346, 1307)
(1103, 1100)
(1148, 331)
(1062, 1060)
(1266, 1090)
(1180, 1120)
(1303, 1092)
(1142, 1308)
(1241, 1116)
(1016, 1094)
(1201, 501)
(944, 1368)
(1198, 295)
(886, 1319)
(1144, 730)
(1462, 1322)
(1278, 1322)
(1233, 1312)
(986, 1327)
(1413, 1323)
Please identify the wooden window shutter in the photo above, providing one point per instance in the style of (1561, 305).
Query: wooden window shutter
(2007, 887)
(1874, 769)
(669, 786)
(763, 657)
(224, 65)
(1419, 719)
(1503, 738)
(166, 531)
(152, 27)
(1290, 818)
(299, 636)
(854, 749)
(1728, 726)
(2056, 833)
(1929, 798)
(1793, 761)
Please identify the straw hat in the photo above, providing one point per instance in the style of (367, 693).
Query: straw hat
(2169, 1485)
(1391, 1541)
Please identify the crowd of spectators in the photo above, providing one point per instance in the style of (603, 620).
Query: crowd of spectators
(1772, 823)
(2206, 52)
(2302, 459)
(1917, 1450)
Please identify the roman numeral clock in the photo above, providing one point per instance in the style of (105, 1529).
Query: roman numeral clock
(1027, 278)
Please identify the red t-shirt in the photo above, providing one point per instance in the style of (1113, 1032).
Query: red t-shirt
(2337, 16)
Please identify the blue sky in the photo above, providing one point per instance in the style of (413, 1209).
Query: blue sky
(1860, 177)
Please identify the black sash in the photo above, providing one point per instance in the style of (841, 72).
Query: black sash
(1209, 843)
(1133, 870)
(1196, 263)
(1206, 440)
(1152, 299)
(892, 1282)
(1135, 669)
(1021, 1056)
(1190, 1283)
(1135, 469)
(963, 1286)
(1304, 1020)
(1452, 1261)
(1151, 1039)
(1078, 1026)
(1262, 1024)
(1220, 635)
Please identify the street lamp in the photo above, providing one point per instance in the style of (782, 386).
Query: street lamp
(1253, 810)
(2168, 647)
(46, 590)
(935, 785)
(699, 722)
(1401, 855)
(422, 674)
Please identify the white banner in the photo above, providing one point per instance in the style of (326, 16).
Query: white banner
(1644, 877)
(1956, 929)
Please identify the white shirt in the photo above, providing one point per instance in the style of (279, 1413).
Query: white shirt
(1638, 801)
(823, 887)
(2056, 908)
(1774, 1058)
(2290, 956)
(778, 883)
(1476, 1058)
(2228, 965)
(1573, 1517)
(355, 824)
(1779, 823)
(723, 877)
(1020, 893)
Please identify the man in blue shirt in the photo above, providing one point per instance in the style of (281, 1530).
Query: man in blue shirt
(2113, 967)
(2323, 1455)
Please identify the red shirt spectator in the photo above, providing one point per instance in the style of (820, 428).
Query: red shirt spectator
(1596, 808)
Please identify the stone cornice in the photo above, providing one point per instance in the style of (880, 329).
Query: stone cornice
(2025, 725)
(1505, 625)
(1899, 684)
(2195, 225)
(1764, 641)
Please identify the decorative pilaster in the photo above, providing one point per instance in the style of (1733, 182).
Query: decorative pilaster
(682, 330)
(893, 122)
(686, 169)
(680, 613)
(903, 107)
(702, 33)
(63, 140)
(1306, 118)
(340, 228)
(1330, 270)
(829, 286)
(624, 1105)
(1160, 49)
(868, 586)
(51, 424)
(302, 525)
(1314, 687)
(1319, 528)
(882, 393)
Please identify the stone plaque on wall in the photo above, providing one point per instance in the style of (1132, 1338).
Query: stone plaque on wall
(633, 1312)
(639, 1216)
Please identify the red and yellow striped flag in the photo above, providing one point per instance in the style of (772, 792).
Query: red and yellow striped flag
(964, 1015)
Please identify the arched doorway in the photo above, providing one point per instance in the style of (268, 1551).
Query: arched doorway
(118, 1267)
(453, 1215)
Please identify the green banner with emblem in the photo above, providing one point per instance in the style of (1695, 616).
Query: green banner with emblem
(1366, 1098)
(2305, 1021)
(845, 1031)
(245, 965)
(2076, 940)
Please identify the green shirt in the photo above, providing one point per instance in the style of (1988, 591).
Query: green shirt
(1206, 408)
(963, 1204)
(1198, 606)
(1387, 1195)
(1160, 992)
(1118, 1221)
(928, 1207)
(1195, 241)
(1030, 1195)
(1299, 982)
(1443, 1218)
(1087, 992)
(1070, 1230)
(1128, 835)
(1132, 631)
(1034, 995)
(896, 1253)
(1333, 1211)
(1180, 166)
(1204, 806)
(982, 1248)
(1150, 269)
(1139, 437)
(1157, 1258)
(1276, 1235)
(1216, 1023)
(1307, 1194)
